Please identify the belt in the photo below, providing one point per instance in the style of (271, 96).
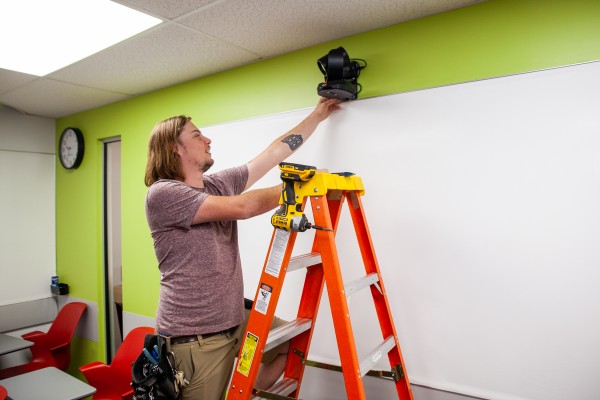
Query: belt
(194, 338)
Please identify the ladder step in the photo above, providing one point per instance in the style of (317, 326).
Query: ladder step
(366, 281)
(376, 354)
(283, 387)
(304, 261)
(286, 332)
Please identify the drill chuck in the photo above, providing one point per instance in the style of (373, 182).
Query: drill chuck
(294, 224)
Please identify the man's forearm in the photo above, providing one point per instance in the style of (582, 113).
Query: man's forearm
(300, 133)
(260, 201)
(282, 147)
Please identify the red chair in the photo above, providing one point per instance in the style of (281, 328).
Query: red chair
(112, 381)
(3, 392)
(51, 349)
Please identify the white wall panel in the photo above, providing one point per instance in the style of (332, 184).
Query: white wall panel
(27, 206)
(27, 215)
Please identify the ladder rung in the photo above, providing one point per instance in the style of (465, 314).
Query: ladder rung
(284, 387)
(304, 261)
(365, 281)
(286, 332)
(376, 354)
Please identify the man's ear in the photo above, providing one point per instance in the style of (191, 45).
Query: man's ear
(175, 149)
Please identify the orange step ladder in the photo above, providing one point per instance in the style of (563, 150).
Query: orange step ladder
(327, 193)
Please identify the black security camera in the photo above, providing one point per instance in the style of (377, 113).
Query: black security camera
(341, 75)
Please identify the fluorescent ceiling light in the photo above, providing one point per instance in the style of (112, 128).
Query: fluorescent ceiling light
(42, 36)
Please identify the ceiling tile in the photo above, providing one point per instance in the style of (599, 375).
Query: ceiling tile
(48, 98)
(272, 28)
(10, 80)
(161, 57)
(165, 9)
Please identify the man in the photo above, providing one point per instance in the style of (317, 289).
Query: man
(192, 217)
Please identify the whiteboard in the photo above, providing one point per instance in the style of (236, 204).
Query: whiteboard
(483, 204)
(27, 225)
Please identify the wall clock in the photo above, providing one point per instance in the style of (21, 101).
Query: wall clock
(71, 148)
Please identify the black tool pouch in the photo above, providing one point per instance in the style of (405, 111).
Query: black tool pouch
(154, 376)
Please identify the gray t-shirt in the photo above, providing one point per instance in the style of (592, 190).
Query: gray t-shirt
(201, 286)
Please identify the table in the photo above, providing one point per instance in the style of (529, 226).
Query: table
(8, 343)
(47, 383)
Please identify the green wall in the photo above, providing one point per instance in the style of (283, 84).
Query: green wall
(490, 39)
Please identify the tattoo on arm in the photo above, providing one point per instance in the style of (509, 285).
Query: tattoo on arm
(294, 141)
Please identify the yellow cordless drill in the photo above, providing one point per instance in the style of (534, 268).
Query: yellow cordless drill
(290, 216)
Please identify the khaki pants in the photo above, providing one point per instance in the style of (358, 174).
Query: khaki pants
(207, 364)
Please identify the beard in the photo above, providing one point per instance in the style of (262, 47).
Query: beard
(209, 163)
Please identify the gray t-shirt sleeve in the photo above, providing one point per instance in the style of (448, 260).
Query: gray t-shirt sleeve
(173, 205)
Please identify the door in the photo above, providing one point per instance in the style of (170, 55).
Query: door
(112, 246)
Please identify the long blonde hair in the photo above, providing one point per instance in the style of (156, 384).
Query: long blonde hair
(163, 160)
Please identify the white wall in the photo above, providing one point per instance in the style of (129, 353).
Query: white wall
(20, 132)
(27, 224)
(27, 206)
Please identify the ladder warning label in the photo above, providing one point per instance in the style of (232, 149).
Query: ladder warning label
(247, 354)
(263, 298)
(277, 252)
